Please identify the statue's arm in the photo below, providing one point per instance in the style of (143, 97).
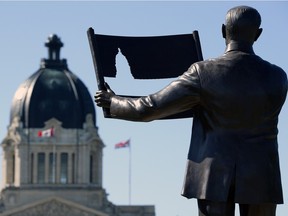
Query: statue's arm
(180, 95)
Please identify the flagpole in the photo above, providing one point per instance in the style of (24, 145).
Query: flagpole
(125, 145)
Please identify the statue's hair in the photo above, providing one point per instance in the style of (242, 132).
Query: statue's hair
(240, 19)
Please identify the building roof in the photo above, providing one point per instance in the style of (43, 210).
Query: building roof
(53, 91)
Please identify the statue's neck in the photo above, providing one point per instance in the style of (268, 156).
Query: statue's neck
(239, 46)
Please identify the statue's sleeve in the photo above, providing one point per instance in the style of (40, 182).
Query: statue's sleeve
(180, 95)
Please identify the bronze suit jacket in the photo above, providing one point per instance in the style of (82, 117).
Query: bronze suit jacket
(236, 99)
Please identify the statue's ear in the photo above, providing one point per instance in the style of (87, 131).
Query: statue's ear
(223, 31)
(258, 34)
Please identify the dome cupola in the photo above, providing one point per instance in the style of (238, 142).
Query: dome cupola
(52, 92)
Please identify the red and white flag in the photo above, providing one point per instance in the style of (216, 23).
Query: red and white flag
(46, 133)
(123, 144)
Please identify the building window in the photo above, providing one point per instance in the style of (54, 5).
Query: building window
(91, 169)
(73, 168)
(31, 168)
(52, 167)
(13, 169)
(64, 168)
(41, 168)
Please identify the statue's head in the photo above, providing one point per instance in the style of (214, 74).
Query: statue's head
(242, 23)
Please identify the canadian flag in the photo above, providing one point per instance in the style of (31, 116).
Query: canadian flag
(46, 133)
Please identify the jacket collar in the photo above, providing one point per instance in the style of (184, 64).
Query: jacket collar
(239, 46)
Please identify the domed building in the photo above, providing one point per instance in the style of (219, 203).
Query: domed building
(52, 153)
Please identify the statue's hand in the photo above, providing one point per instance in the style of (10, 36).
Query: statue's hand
(102, 98)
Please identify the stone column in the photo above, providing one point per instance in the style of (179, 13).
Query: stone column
(70, 171)
(46, 167)
(58, 167)
(35, 167)
(9, 168)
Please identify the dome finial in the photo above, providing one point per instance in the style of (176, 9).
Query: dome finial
(54, 44)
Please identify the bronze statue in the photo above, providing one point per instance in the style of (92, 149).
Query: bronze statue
(236, 99)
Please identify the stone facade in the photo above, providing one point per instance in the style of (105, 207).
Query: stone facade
(59, 207)
(55, 170)
(81, 195)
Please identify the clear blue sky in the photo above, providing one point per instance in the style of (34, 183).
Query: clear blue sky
(159, 148)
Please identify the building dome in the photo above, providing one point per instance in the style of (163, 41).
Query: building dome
(52, 92)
